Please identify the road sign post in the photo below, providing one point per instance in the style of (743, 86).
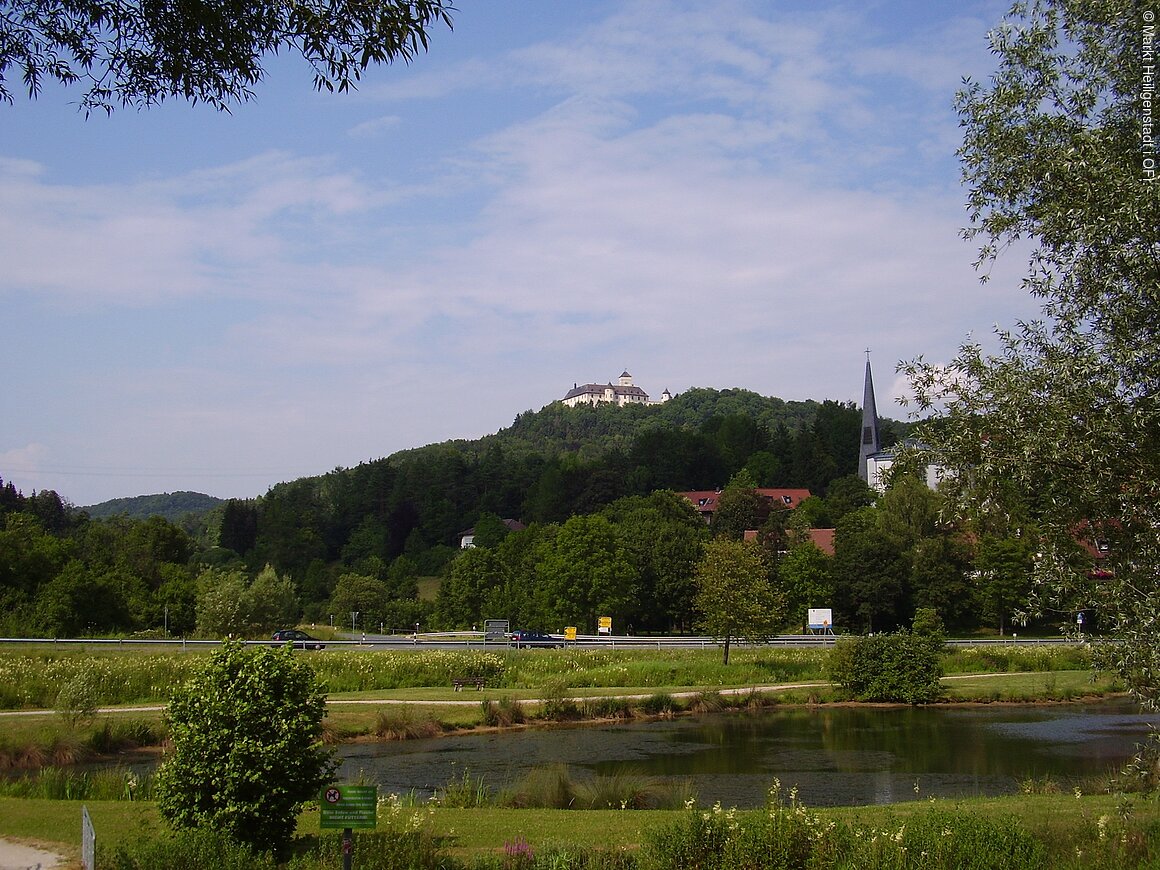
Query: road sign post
(88, 841)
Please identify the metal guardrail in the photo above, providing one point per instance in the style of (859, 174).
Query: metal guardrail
(478, 640)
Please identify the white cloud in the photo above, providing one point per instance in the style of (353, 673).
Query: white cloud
(708, 196)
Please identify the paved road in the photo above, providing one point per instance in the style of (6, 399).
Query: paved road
(473, 640)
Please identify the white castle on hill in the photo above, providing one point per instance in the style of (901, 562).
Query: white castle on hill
(624, 392)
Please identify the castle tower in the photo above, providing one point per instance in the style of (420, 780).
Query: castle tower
(625, 379)
(871, 439)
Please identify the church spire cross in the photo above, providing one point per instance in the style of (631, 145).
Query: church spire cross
(871, 437)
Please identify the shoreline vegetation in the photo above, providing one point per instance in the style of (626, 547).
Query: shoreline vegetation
(59, 709)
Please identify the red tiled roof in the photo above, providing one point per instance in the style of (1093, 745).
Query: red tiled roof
(823, 539)
(705, 500)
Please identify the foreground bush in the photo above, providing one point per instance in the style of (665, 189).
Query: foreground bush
(902, 667)
(247, 751)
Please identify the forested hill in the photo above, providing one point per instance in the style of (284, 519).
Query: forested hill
(591, 432)
(173, 506)
(549, 465)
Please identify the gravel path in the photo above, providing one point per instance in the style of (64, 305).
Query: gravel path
(14, 856)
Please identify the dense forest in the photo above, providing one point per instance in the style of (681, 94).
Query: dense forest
(169, 505)
(605, 533)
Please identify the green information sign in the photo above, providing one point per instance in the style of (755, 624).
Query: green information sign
(348, 806)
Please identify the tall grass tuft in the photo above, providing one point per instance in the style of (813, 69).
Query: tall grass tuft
(503, 713)
(629, 789)
(549, 787)
(606, 708)
(556, 705)
(402, 723)
(1044, 784)
(467, 792)
(119, 735)
(708, 702)
(659, 704)
(86, 680)
(994, 658)
(54, 783)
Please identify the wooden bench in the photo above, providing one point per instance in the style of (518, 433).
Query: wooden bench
(459, 682)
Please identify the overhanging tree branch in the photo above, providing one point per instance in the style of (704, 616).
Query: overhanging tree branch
(138, 53)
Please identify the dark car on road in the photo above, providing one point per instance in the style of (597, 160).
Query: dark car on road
(299, 639)
(534, 639)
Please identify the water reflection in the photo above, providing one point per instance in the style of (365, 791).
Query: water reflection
(834, 755)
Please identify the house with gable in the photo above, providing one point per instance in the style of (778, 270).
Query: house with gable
(705, 501)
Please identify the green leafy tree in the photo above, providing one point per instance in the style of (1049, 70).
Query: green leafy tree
(735, 599)
(402, 578)
(812, 513)
(1004, 568)
(846, 494)
(231, 605)
(1064, 420)
(663, 535)
(870, 572)
(177, 600)
(29, 558)
(246, 735)
(940, 569)
(587, 573)
(459, 601)
(908, 511)
(489, 530)
(80, 600)
(806, 579)
(740, 508)
(221, 603)
(519, 595)
(270, 602)
(239, 526)
(366, 596)
(134, 54)
(764, 467)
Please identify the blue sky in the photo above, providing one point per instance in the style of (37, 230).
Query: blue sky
(725, 194)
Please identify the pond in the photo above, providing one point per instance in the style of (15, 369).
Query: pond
(834, 755)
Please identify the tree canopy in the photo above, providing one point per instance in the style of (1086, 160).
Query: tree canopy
(127, 53)
(1061, 428)
(735, 599)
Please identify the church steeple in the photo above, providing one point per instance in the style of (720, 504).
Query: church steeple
(871, 440)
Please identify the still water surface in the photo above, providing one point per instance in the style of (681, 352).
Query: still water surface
(834, 755)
